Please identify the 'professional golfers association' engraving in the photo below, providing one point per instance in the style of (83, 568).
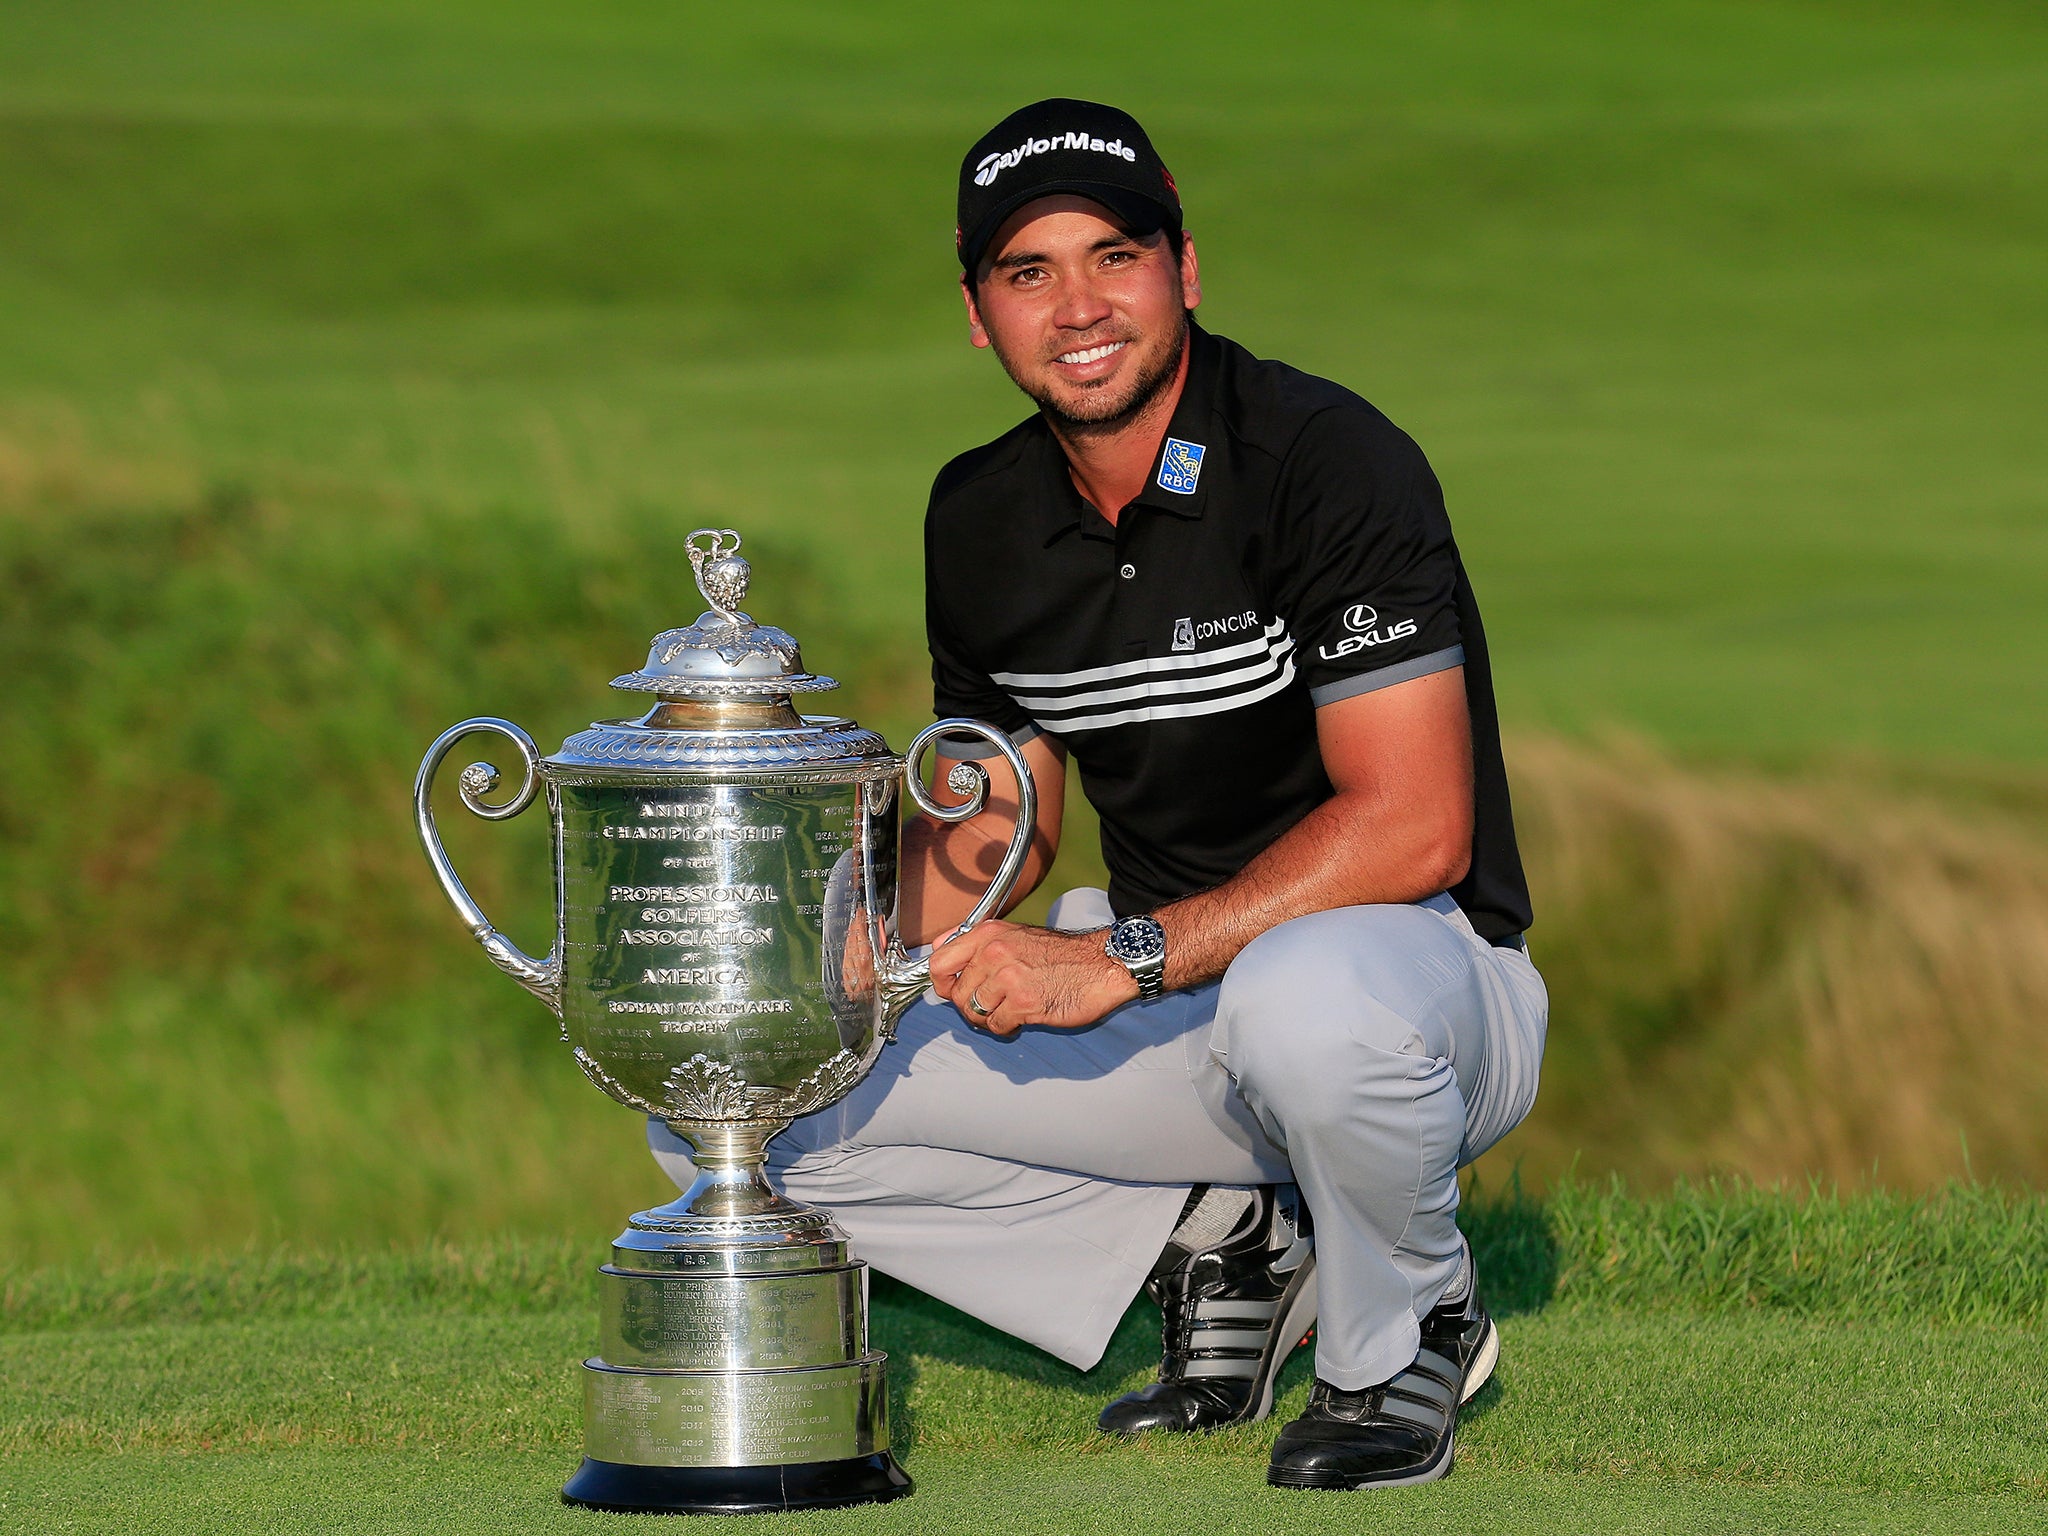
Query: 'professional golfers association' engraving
(726, 959)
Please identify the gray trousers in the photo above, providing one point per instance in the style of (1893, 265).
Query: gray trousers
(1364, 1054)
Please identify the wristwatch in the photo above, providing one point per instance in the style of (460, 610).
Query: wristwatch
(1138, 944)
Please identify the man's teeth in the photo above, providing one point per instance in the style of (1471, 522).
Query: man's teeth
(1089, 354)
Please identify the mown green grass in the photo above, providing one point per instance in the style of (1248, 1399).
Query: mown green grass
(374, 1493)
(1720, 320)
(1639, 1389)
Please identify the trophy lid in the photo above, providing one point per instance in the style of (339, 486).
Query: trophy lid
(725, 654)
(723, 705)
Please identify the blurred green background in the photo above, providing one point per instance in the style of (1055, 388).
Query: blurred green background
(363, 365)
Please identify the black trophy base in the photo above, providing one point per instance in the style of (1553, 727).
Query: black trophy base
(626, 1490)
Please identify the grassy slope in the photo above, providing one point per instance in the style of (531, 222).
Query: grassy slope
(1722, 1361)
(323, 1057)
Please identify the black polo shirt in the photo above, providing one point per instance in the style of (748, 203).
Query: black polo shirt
(1290, 550)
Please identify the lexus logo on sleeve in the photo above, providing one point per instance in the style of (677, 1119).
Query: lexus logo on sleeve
(1363, 620)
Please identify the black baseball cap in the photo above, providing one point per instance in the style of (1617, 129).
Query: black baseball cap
(1062, 145)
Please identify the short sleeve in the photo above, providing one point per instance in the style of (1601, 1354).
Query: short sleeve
(1366, 573)
(960, 686)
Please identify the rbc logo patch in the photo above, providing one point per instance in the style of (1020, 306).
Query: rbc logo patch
(1180, 466)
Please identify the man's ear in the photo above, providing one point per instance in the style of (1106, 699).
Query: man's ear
(976, 331)
(1190, 272)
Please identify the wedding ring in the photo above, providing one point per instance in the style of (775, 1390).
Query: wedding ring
(974, 1004)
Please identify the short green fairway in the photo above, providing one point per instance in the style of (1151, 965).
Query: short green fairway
(1724, 1359)
(1681, 1421)
(1583, 1393)
(496, 1493)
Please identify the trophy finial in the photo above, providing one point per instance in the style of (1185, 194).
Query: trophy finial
(722, 575)
(723, 654)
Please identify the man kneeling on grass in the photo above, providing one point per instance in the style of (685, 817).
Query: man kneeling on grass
(1245, 1077)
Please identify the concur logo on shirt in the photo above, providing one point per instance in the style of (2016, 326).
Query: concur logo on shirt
(1180, 466)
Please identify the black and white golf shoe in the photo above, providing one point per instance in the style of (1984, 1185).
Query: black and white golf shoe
(1234, 1308)
(1402, 1431)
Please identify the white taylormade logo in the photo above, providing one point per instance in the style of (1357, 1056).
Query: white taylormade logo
(994, 165)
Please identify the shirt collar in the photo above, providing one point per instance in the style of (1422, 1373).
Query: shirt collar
(1182, 458)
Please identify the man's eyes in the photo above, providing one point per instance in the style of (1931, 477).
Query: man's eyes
(1027, 276)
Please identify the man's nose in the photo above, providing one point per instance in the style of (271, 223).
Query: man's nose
(1081, 305)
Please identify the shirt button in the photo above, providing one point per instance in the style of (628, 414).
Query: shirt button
(1127, 572)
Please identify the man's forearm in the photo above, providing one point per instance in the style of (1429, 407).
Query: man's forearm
(1352, 849)
(1348, 851)
(1397, 828)
(946, 866)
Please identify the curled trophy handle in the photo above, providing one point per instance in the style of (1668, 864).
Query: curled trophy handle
(543, 978)
(902, 979)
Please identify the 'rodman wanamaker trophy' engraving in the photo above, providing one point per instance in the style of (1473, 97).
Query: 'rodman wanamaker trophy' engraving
(726, 958)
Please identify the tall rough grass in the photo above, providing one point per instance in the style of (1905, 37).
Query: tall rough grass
(233, 1008)
(1783, 975)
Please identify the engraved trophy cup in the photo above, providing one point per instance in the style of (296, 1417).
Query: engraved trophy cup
(725, 958)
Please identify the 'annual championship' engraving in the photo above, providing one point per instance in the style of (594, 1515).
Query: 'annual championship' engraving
(715, 832)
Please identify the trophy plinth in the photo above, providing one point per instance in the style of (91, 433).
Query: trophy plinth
(725, 960)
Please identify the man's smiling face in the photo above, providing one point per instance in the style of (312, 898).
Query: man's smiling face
(1089, 320)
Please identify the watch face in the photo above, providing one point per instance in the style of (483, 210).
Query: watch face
(1137, 939)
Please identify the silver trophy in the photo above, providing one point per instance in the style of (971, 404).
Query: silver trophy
(726, 958)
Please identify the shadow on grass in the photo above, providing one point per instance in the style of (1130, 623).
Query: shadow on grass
(1512, 1238)
(924, 1335)
(1514, 1244)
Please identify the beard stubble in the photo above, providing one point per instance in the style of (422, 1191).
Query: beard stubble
(1106, 415)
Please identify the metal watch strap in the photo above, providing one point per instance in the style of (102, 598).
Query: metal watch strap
(1149, 971)
(1150, 976)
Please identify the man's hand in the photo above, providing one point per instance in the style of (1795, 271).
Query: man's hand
(1002, 976)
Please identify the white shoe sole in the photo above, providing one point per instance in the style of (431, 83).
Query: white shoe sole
(1481, 1369)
